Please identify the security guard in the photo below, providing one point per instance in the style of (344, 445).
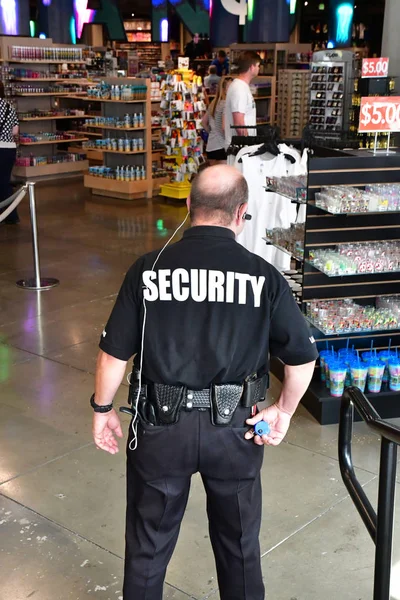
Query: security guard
(201, 315)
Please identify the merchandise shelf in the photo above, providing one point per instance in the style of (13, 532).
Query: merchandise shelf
(123, 152)
(271, 243)
(117, 109)
(328, 167)
(52, 169)
(44, 62)
(116, 128)
(53, 79)
(54, 118)
(90, 99)
(45, 142)
(34, 95)
(270, 188)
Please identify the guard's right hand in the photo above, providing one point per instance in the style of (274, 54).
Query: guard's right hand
(279, 422)
(105, 425)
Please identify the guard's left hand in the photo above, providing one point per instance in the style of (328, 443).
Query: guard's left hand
(105, 425)
(278, 421)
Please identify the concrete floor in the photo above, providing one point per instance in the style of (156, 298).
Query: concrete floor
(62, 501)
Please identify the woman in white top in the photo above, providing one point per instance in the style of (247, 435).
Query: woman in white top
(8, 151)
(213, 123)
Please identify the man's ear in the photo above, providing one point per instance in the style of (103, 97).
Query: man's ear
(188, 203)
(241, 211)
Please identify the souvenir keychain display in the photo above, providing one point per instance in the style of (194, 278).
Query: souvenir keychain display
(182, 103)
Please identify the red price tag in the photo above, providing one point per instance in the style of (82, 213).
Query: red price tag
(375, 67)
(380, 114)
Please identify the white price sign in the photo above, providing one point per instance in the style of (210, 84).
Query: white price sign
(380, 114)
(375, 67)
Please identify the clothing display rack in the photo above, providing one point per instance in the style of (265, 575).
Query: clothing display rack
(324, 230)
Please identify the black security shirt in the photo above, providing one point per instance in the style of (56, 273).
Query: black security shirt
(214, 312)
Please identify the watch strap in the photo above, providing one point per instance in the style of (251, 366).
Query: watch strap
(100, 408)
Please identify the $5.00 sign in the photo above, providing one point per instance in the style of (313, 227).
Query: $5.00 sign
(380, 114)
(375, 67)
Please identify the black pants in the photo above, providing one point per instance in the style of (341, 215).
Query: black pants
(7, 160)
(158, 483)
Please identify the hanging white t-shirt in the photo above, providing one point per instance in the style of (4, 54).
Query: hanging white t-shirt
(239, 99)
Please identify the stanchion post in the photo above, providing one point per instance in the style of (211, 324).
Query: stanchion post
(32, 208)
(37, 282)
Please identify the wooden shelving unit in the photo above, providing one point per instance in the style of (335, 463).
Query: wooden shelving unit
(32, 119)
(91, 99)
(124, 190)
(46, 101)
(53, 79)
(45, 142)
(123, 129)
(127, 190)
(34, 95)
(51, 170)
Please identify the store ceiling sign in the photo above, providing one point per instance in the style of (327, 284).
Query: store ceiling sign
(375, 67)
(379, 114)
(236, 7)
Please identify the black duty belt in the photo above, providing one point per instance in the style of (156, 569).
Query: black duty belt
(160, 404)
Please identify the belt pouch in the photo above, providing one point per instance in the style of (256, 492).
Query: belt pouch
(167, 400)
(133, 393)
(254, 390)
(224, 402)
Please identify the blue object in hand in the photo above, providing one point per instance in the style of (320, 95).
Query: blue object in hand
(262, 428)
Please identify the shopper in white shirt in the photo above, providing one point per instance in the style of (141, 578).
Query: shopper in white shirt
(213, 123)
(240, 106)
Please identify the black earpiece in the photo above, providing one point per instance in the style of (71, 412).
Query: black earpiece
(246, 217)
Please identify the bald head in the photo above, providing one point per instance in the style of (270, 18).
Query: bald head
(216, 194)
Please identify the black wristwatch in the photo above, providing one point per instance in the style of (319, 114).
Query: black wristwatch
(100, 408)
